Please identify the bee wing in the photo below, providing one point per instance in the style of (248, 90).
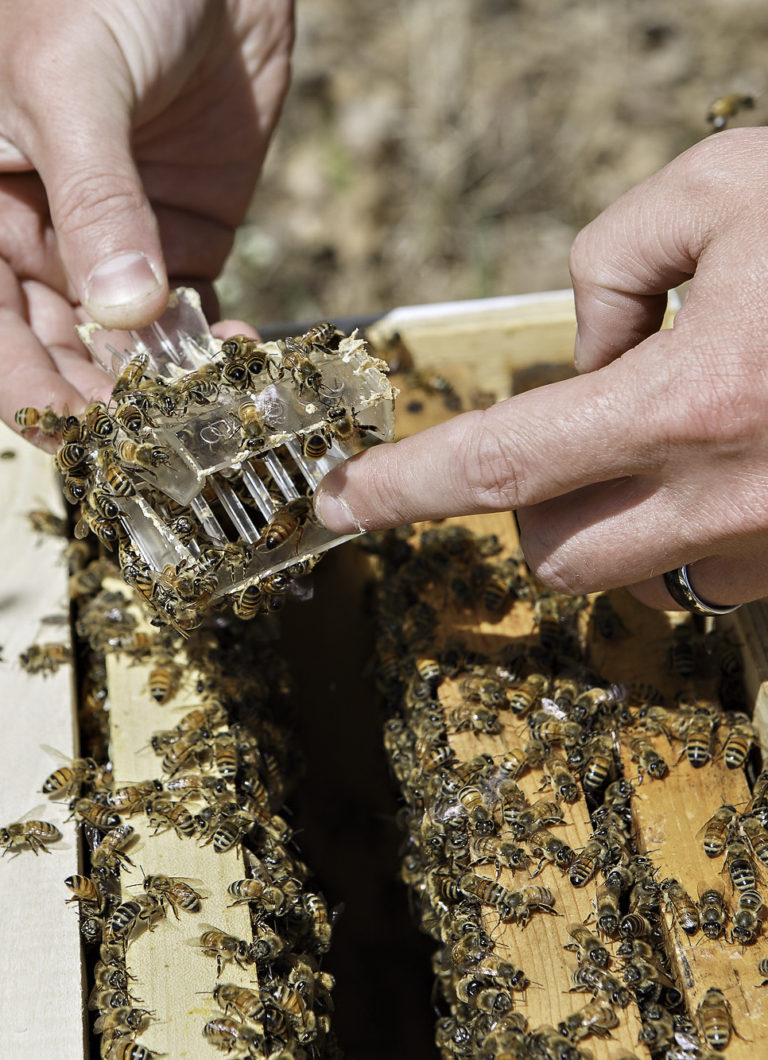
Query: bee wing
(552, 708)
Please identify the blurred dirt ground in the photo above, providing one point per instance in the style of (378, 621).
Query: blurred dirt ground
(432, 150)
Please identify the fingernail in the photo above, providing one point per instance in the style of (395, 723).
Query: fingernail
(334, 514)
(126, 279)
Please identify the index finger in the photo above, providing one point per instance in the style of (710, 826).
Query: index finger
(523, 450)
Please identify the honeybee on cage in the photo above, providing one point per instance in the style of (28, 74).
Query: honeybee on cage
(28, 832)
(115, 477)
(247, 352)
(304, 372)
(287, 521)
(145, 455)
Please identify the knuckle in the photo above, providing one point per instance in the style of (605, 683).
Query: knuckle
(491, 462)
(84, 200)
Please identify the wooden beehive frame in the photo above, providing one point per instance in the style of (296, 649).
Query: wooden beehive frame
(481, 344)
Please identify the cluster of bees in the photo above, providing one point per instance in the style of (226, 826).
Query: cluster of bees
(462, 817)
(221, 777)
(114, 455)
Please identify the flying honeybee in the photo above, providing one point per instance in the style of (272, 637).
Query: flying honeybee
(722, 109)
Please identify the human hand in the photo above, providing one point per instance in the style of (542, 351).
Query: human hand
(131, 136)
(657, 455)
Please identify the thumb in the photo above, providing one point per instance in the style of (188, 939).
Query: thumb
(106, 231)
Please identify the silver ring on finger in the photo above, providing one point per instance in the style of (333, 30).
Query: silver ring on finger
(679, 588)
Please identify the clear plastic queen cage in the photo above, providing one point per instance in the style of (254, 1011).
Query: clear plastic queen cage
(239, 461)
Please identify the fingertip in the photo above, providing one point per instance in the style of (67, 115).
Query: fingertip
(126, 290)
(333, 510)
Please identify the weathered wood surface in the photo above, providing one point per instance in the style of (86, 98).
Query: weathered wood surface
(172, 977)
(40, 953)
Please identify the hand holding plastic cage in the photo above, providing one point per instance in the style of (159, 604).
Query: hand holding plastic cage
(203, 464)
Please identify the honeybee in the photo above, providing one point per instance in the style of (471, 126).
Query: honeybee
(164, 678)
(132, 374)
(249, 601)
(174, 890)
(715, 830)
(84, 890)
(518, 905)
(232, 1036)
(142, 454)
(45, 658)
(253, 427)
(740, 866)
(474, 716)
(130, 415)
(746, 920)
(132, 915)
(549, 847)
(713, 914)
(131, 798)
(607, 910)
(130, 1049)
(600, 983)
(225, 948)
(503, 852)
(585, 864)
(167, 813)
(682, 905)
(115, 477)
(757, 836)
(700, 733)
(30, 833)
(246, 1004)
(305, 373)
(46, 421)
(549, 728)
(66, 781)
(540, 814)
(713, 1014)
(588, 946)
(109, 855)
(271, 899)
(95, 814)
(524, 696)
(288, 520)
(560, 778)
(741, 737)
(316, 909)
(722, 109)
(596, 1017)
(648, 758)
